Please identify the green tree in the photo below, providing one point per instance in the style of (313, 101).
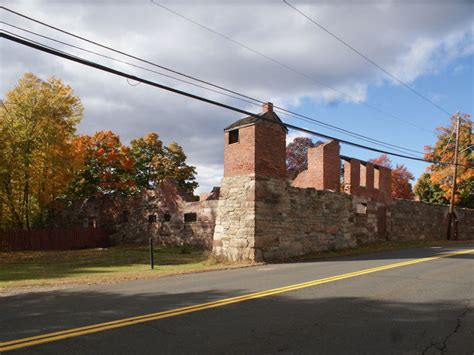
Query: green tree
(429, 192)
(38, 121)
(150, 160)
(176, 167)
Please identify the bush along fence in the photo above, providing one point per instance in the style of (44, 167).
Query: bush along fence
(53, 239)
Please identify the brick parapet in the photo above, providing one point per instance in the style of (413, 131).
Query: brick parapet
(323, 171)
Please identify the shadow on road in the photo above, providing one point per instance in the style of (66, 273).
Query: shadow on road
(290, 323)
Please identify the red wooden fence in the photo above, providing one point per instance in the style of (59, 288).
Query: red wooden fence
(53, 239)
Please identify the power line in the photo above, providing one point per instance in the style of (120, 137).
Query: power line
(345, 43)
(286, 66)
(195, 97)
(120, 61)
(282, 110)
(120, 52)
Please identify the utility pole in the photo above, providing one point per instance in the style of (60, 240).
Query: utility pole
(455, 173)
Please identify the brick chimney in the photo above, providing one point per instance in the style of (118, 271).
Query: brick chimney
(267, 107)
(256, 147)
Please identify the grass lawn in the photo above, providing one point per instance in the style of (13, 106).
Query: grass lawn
(53, 268)
(32, 269)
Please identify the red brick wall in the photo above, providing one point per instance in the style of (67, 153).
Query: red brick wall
(331, 166)
(239, 158)
(366, 180)
(261, 150)
(385, 184)
(369, 171)
(323, 168)
(352, 175)
(270, 150)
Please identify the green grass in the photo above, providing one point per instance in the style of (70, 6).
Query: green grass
(34, 268)
(105, 265)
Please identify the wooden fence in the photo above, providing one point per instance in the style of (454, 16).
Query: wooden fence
(53, 239)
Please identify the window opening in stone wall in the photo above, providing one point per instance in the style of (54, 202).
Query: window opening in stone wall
(190, 217)
(234, 136)
(152, 218)
(361, 208)
(167, 217)
(125, 216)
(363, 175)
(341, 175)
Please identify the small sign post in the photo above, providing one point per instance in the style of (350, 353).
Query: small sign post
(152, 262)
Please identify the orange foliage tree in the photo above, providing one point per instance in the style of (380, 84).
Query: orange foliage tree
(107, 166)
(440, 176)
(401, 177)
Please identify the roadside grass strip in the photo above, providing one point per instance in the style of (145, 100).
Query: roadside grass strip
(95, 328)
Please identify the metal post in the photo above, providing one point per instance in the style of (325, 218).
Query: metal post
(455, 173)
(152, 261)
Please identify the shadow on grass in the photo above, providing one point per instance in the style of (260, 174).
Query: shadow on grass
(290, 323)
(34, 265)
(22, 266)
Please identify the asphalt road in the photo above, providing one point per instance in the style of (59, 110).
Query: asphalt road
(419, 308)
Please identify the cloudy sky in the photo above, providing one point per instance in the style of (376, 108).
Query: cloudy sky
(427, 43)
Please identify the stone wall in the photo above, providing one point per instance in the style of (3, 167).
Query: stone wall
(292, 222)
(267, 219)
(411, 220)
(234, 233)
(165, 214)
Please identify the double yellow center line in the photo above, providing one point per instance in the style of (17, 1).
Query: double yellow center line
(75, 332)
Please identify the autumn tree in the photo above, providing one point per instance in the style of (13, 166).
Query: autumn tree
(177, 168)
(439, 177)
(107, 166)
(297, 155)
(401, 177)
(154, 162)
(38, 121)
(149, 158)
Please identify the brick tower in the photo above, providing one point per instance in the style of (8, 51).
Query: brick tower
(254, 161)
(256, 146)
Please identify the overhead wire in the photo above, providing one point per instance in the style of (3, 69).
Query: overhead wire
(91, 64)
(286, 66)
(364, 56)
(123, 62)
(242, 98)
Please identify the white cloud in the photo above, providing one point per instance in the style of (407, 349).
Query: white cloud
(410, 39)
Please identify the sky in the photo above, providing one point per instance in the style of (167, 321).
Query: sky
(428, 44)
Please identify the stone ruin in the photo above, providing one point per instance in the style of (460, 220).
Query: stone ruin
(339, 202)
(166, 214)
(262, 216)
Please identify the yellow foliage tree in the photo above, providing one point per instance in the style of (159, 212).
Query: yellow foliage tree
(37, 126)
(440, 175)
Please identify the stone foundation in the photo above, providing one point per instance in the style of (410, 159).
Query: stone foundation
(234, 233)
(267, 219)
